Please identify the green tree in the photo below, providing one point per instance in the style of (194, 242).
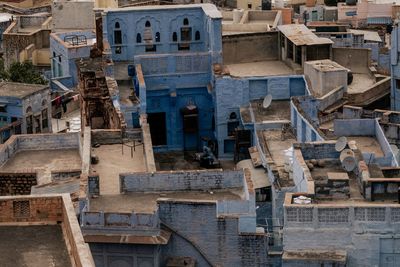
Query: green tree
(21, 72)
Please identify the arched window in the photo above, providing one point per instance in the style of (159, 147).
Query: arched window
(117, 34)
(185, 21)
(174, 37)
(138, 38)
(147, 24)
(158, 38)
(28, 110)
(233, 116)
(197, 36)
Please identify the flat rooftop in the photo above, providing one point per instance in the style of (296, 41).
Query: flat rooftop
(277, 111)
(112, 162)
(325, 65)
(53, 160)
(361, 83)
(276, 142)
(20, 90)
(277, 145)
(33, 246)
(320, 174)
(368, 144)
(261, 68)
(147, 202)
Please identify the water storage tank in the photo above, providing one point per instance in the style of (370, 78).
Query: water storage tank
(237, 15)
(279, 4)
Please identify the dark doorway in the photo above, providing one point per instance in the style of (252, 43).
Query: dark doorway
(158, 128)
(190, 116)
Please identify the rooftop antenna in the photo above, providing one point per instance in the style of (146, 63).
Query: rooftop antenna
(341, 144)
(267, 101)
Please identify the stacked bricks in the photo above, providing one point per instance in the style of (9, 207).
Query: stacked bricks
(16, 184)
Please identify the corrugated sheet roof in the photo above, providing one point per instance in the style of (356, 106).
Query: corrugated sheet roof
(368, 35)
(379, 20)
(299, 34)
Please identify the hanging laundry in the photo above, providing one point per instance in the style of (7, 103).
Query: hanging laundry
(57, 101)
(75, 97)
(64, 103)
(64, 106)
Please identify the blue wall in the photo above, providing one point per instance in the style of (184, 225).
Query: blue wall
(166, 21)
(64, 55)
(231, 93)
(173, 78)
(394, 59)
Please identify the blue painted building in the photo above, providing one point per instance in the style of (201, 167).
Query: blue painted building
(65, 49)
(231, 93)
(395, 67)
(172, 49)
(24, 108)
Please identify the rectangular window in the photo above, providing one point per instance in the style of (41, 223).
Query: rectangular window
(398, 83)
(186, 34)
(29, 126)
(37, 124)
(3, 108)
(183, 46)
(117, 37)
(151, 48)
(45, 122)
(21, 209)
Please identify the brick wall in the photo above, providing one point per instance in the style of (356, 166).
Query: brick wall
(17, 184)
(37, 209)
(106, 136)
(176, 181)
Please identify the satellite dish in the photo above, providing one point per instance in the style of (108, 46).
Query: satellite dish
(341, 144)
(267, 101)
(348, 160)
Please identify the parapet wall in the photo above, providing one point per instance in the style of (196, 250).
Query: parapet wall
(48, 141)
(181, 181)
(264, 46)
(358, 60)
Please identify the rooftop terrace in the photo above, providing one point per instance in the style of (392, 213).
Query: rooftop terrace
(41, 230)
(112, 162)
(52, 160)
(20, 90)
(147, 202)
(262, 68)
(40, 245)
